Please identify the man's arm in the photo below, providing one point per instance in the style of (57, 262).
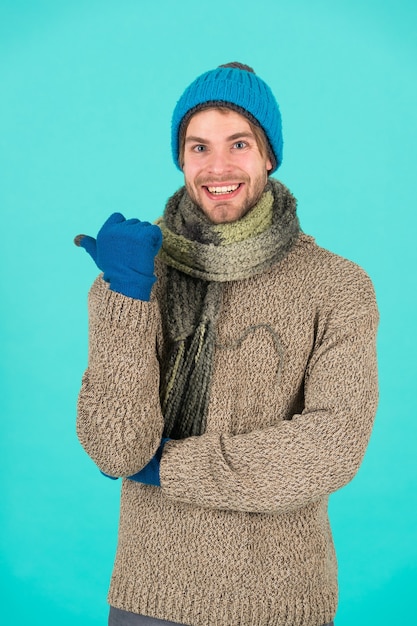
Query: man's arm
(119, 421)
(119, 418)
(296, 461)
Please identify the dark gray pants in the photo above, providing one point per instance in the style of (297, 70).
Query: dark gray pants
(124, 618)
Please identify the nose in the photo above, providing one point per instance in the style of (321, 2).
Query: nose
(219, 162)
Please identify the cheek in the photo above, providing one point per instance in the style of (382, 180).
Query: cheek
(192, 174)
(255, 166)
(188, 177)
(189, 182)
(189, 169)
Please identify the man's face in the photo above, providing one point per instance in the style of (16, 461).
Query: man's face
(224, 170)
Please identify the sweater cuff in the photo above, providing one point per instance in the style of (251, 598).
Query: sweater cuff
(121, 310)
(185, 465)
(140, 290)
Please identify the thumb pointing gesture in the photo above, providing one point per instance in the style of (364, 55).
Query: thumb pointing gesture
(89, 244)
(125, 251)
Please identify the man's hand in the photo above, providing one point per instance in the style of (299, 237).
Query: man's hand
(125, 251)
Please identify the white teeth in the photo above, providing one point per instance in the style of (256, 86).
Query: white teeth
(221, 190)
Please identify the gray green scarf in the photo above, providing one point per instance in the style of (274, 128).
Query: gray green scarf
(201, 256)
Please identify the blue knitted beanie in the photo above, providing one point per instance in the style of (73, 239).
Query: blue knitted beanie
(238, 88)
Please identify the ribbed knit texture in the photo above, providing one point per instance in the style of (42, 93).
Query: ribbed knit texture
(238, 533)
(240, 88)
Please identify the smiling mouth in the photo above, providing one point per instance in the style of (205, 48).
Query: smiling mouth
(223, 190)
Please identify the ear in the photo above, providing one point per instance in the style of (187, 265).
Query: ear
(268, 165)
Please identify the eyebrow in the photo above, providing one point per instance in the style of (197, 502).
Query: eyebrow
(195, 139)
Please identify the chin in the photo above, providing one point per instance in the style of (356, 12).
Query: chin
(224, 215)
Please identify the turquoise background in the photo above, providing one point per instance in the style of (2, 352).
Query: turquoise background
(86, 94)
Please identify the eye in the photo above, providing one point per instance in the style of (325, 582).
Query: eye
(239, 145)
(199, 148)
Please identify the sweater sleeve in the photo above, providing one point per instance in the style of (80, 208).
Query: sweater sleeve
(298, 460)
(119, 420)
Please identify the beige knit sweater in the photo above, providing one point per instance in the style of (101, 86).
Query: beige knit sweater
(238, 533)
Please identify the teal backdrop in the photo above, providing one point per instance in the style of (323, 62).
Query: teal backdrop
(86, 95)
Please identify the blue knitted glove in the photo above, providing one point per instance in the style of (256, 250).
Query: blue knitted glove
(148, 475)
(125, 251)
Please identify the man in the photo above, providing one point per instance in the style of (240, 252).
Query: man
(234, 393)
